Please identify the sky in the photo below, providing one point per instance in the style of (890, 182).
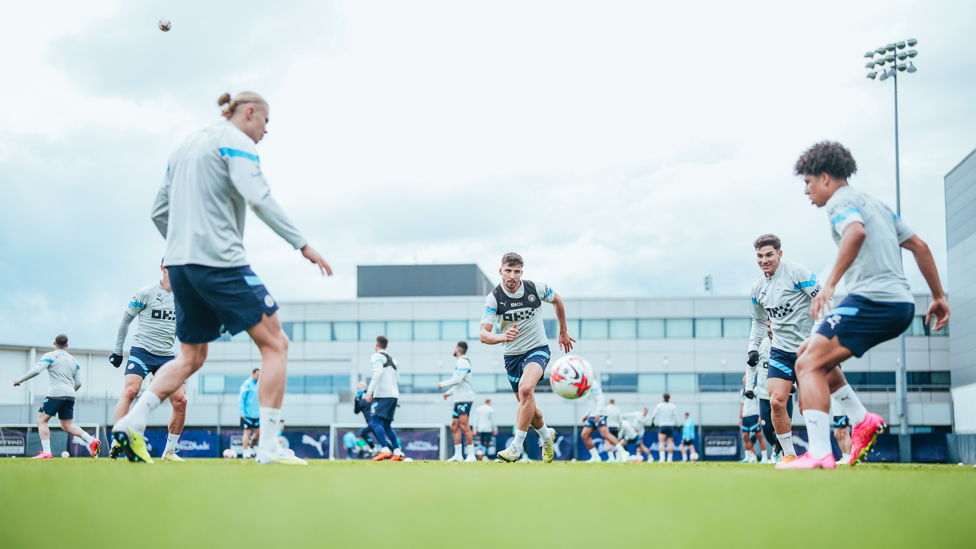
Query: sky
(624, 149)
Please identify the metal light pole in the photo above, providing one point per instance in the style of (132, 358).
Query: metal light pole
(888, 54)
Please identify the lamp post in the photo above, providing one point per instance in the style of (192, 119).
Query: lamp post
(896, 55)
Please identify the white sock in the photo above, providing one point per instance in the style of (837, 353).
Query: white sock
(270, 417)
(620, 449)
(519, 442)
(669, 455)
(46, 446)
(138, 415)
(595, 455)
(86, 437)
(610, 456)
(818, 432)
(171, 441)
(457, 450)
(544, 433)
(851, 404)
(470, 450)
(786, 441)
(397, 452)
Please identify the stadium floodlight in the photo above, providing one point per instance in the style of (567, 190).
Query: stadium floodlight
(902, 67)
(869, 54)
(884, 76)
(880, 61)
(900, 45)
(870, 65)
(911, 68)
(902, 56)
(890, 58)
(872, 75)
(912, 42)
(880, 51)
(890, 47)
(912, 53)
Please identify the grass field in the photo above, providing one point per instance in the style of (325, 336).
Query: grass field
(229, 503)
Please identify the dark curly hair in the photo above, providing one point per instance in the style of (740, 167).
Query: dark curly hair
(827, 157)
(768, 240)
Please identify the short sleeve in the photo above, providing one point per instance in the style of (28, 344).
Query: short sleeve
(545, 292)
(843, 213)
(491, 310)
(902, 230)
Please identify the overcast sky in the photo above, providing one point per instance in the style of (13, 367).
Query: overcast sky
(623, 148)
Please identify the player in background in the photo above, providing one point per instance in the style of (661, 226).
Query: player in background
(756, 376)
(64, 374)
(460, 388)
(613, 418)
(842, 430)
(212, 176)
(360, 406)
(878, 307)
(632, 428)
(687, 438)
(250, 410)
(782, 294)
(666, 417)
(749, 424)
(153, 347)
(382, 394)
(516, 304)
(484, 425)
(596, 420)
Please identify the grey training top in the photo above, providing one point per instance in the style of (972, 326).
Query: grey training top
(784, 297)
(64, 371)
(157, 321)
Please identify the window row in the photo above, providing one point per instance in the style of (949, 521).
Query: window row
(302, 385)
(457, 330)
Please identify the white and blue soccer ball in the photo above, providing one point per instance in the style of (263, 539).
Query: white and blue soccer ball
(229, 453)
(571, 376)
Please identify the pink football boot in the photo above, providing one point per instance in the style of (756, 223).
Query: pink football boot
(806, 461)
(864, 435)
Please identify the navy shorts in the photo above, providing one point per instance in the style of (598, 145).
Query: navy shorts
(667, 431)
(486, 439)
(208, 297)
(64, 408)
(383, 408)
(515, 364)
(593, 423)
(750, 424)
(142, 362)
(250, 423)
(841, 422)
(688, 442)
(614, 431)
(782, 365)
(860, 323)
(461, 409)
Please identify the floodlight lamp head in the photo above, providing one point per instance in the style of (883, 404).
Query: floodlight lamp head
(912, 42)
(890, 58)
(900, 45)
(902, 67)
(884, 76)
(870, 65)
(880, 51)
(890, 47)
(912, 53)
(902, 56)
(869, 54)
(872, 75)
(880, 61)
(911, 68)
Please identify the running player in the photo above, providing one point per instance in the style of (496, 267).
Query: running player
(879, 305)
(596, 420)
(613, 418)
(842, 430)
(756, 377)
(211, 178)
(382, 394)
(64, 375)
(360, 406)
(687, 438)
(632, 427)
(514, 303)
(153, 347)
(749, 424)
(249, 409)
(484, 425)
(782, 294)
(460, 388)
(666, 416)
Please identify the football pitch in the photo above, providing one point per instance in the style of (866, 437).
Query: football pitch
(220, 503)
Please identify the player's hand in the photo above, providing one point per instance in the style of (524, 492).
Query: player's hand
(242, 417)
(566, 342)
(740, 422)
(115, 360)
(438, 386)
(445, 395)
(940, 310)
(494, 433)
(16, 383)
(313, 256)
(749, 394)
(753, 358)
(821, 303)
(511, 333)
(369, 397)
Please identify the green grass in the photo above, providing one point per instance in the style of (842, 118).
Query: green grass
(224, 503)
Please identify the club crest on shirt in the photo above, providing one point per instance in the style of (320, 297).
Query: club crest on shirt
(779, 287)
(531, 299)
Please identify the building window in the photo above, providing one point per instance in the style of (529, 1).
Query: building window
(210, 384)
(295, 385)
(573, 327)
(736, 327)
(679, 328)
(399, 330)
(425, 383)
(650, 328)
(318, 331)
(474, 330)
(317, 385)
(623, 329)
(483, 383)
(652, 383)
(426, 330)
(232, 384)
(619, 383)
(681, 383)
(345, 331)
(454, 330)
(240, 337)
(708, 327)
(294, 330)
(368, 331)
(720, 383)
(593, 329)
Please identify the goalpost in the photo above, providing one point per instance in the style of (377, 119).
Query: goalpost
(440, 428)
(12, 445)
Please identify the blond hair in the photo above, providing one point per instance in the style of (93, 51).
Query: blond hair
(240, 99)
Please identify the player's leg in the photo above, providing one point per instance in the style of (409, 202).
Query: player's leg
(465, 428)
(670, 448)
(44, 432)
(246, 441)
(456, 433)
(68, 427)
(132, 382)
(529, 413)
(746, 445)
(662, 440)
(587, 435)
(762, 444)
(779, 397)
(177, 420)
(612, 442)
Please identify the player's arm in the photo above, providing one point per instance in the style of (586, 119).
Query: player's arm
(458, 376)
(807, 282)
(377, 367)
(758, 331)
(41, 365)
(847, 222)
(448, 393)
(136, 306)
(242, 400)
(565, 342)
(160, 211)
(926, 263)
(77, 377)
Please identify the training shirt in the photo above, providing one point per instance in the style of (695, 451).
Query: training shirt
(688, 430)
(247, 402)
(756, 375)
(637, 421)
(785, 297)
(211, 177)
(596, 405)
(877, 271)
(613, 415)
(460, 382)
(750, 406)
(63, 371)
(157, 321)
(523, 310)
(385, 382)
(484, 419)
(665, 415)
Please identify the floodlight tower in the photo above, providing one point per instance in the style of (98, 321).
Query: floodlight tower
(888, 54)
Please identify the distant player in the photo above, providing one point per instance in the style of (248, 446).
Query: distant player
(613, 418)
(879, 305)
(212, 177)
(360, 406)
(460, 388)
(688, 439)
(382, 394)
(484, 425)
(516, 304)
(782, 294)
(756, 377)
(596, 420)
(632, 428)
(153, 347)
(250, 411)
(64, 374)
(749, 423)
(666, 417)
(842, 430)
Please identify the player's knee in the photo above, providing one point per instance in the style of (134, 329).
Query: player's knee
(179, 404)
(525, 393)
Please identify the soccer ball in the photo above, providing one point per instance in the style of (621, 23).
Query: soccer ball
(230, 453)
(165, 25)
(65, 454)
(694, 456)
(571, 377)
